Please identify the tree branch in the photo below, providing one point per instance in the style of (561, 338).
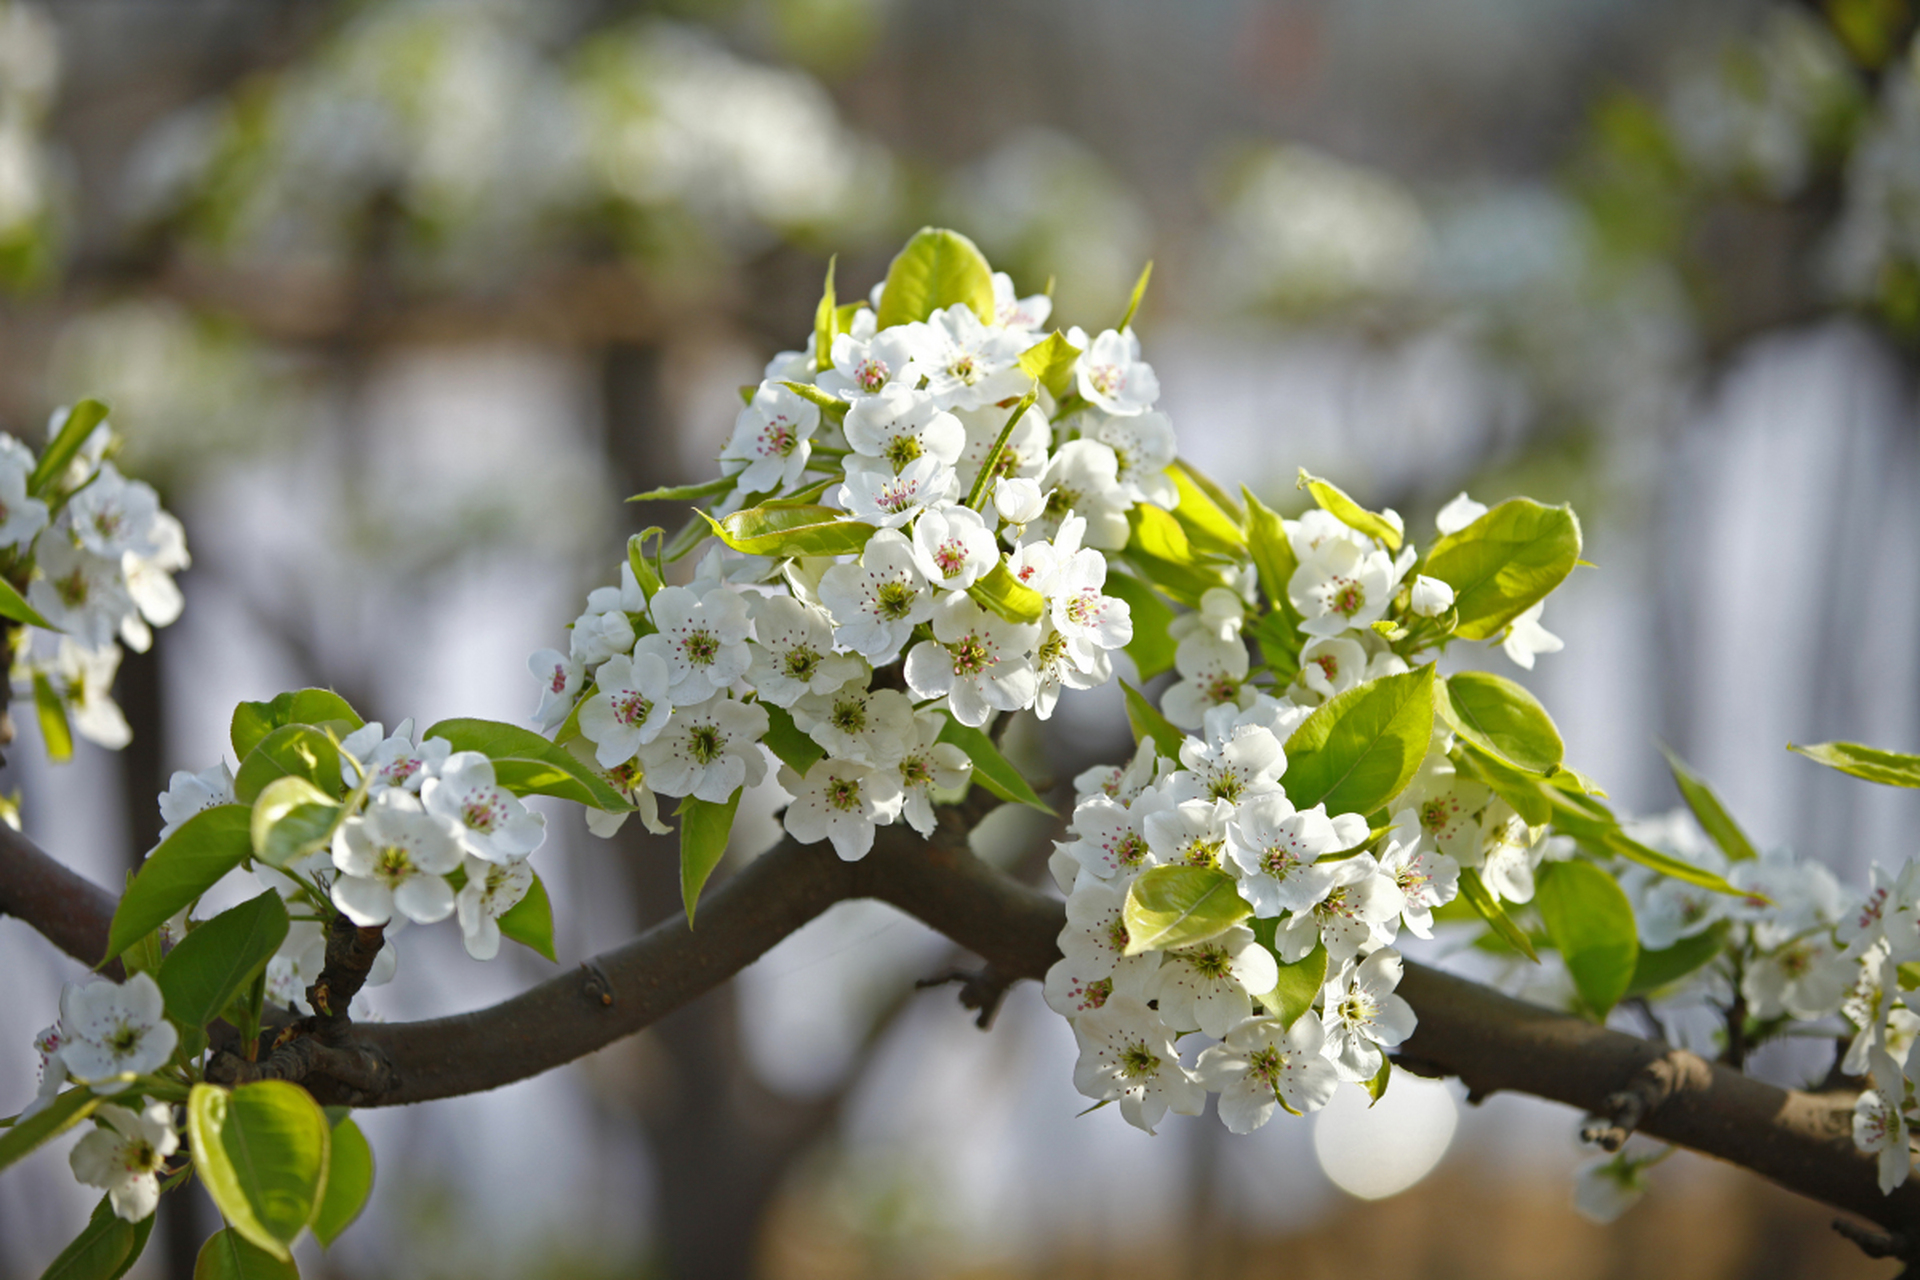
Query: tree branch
(1491, 1041)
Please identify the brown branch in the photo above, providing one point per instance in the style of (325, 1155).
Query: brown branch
(68, 910)
(1492, 1042)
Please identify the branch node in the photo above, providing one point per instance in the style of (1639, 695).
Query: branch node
(1874, 1242)
(1651, 1086)
(981, 989)
(595, 985)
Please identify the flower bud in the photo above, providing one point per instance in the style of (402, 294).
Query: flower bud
(1431, 597)
(1018, 499)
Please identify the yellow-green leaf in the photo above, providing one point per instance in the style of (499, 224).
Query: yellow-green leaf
(1714, 818)
(349, 1182)
(1360, 749)
(56, 733)
(1147, 722)
(1178, 906)
(705, 828)
(1334, 501)
(803, 529)
(1475, 891)
(937, 269)
(1889, 768)
(1505, 562)
(1591, 924)
(1499, 716)
(1050, 362)
(261, 1150)
(1007, 596)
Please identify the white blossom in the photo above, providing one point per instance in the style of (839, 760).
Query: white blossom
(124, 1157)
(560, 676)
(772, 437)
(1364, 1016)
(868, 366)
(703, 639)
(1111, 374)
(1018, 500)
(1083, 478)
(1234, 762)
(877, 601)
(888, 501)
(708, 750)
(1011, 311)
(395, 857)
(1127, 1053)
(855, 722)
(1191, 833)
(1430, 597)
(21, 517)
(953, 547)
(630, 707)
(1425, 877)
(1143, 447)
(149, 580)
(841, 801)
(976, 660)
(925, 764)
(897, 427)
(83, 594)
(113, 516)
(1880, 1128)
(1343, 586)
(1275, 848)
(1458, 514)
(493, 824)
(1264, 1062)
(1210, 985)
(1526, 637)
(492, 890)
(967, 364)
(111, 1029)
(793, 652)
(393, 762)
(1070, 995)
(1213, 673)
(1354, 903)
(1023, 455)
(190, 794)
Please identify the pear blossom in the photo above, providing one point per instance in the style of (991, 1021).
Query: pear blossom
(1124, 782)
(1010, 311)
(976, 660)
(1234, 761)
(841, 801)
(1023, 455)
(868, 366)
(1055, 667)
(1805, 978)
(1091, 621)
(1430, 596)
(560, 676)
(1083, 478)
(53, 1072)
(793, 652)
(125, 1156)
(702, 638)
(855, 722)
(1070, 995)
(111, 1029)
(1017, 500)
(1192, 833)
(953, 547)
(1880, 1128)
(191, 794)
(967, 364)
(1526, 637)
(1784, 896)
(1343, 586)
(1213, 673)
(877, 601)
(708, 750)
(1425, 877)
(492, 890)
(1332, 664)
(1458, 514)
(21, 517)
(888, 501)
(395, 857)
(1112, 834)
(1143, 446)
(1210, 985)
(1127, 1054)
(1111, 374)
(113, 516)
(1886, 915)
(83, 594)
(927, 763)
(630, 707)
(1275, 849)
(493, 824)
(899, 426)
(149, 581)
(1264, 1062)
(1363, 1015)
(1222, 614)
(597, 636)
(1095, 938)
(772, 436)
(1448, 807)
(629, 778)
(1353, 903)
(83, 678)
(1508, 853)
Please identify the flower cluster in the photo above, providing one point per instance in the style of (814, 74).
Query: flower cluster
(94, 555)
(918, 522)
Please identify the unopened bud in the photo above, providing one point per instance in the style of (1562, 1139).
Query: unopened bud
(1018, 500)
(1431, 597)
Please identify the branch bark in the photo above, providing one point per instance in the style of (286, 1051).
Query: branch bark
(1491, 1041)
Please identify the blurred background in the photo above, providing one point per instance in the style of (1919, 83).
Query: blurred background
(396, 300)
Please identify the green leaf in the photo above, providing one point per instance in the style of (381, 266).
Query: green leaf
(1499, 716)
(14, 605)
(529, 921)
(66, 446)
(1178, 906)
(55, 732)
(321, 708)
(1139, 292)
(1156, 533)
(775, 529)
(990, 769)
(1474, 890)
(527, 764)
(1272, 552)
(105, 1248)
(692, 492)
(1147, 722)
(1361, 748)
(187, 863)
(291, 818)
(1505, 562)
(67, 1110)
(1377, 1087)
(261, 1149)
(1656, 969)
(1337, 504)
(704, 830)
(1004, 594)
(1299, 984)
(795, 749)
(1234, 511)
(228, 1255)
(1050, 362)
(937, 269)
(817, 397)
(1209, 526)
(1152, 647)
(291, 751)
(221, 958)
(1279, 644)
(982, 490)
(1889, 768)
(349, 1182)
(1713, 816)
(1186, 583)
(1591, 924)
(644, 571)
(823, 321)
